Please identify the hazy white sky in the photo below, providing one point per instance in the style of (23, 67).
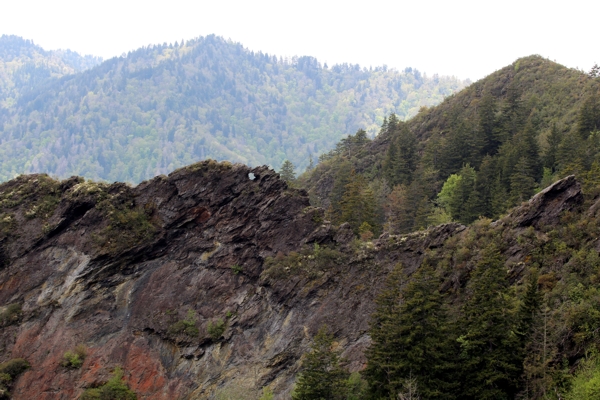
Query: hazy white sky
(469, 39)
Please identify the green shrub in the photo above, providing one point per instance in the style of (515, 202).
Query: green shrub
(10, 315)
(586, 382)
(216, 329)
(114, 389)
(186, 326)
(14, 367)
(8, 372)
(74, 359)
(309, 262)
(267, 394)
(236, 269)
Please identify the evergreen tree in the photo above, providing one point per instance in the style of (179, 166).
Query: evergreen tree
(480, 202)
(529, 307)
(588, 119)
(522, 185)
(487, 124)
(401, 158)
(311, 164)
(361, 138)
(287, 172)
(358, 203)
(342, 173)
(322, 377)
(551, 154)
(390, 163)
(392, 123)
(382, 356)
(513, 116)
(491, 360)
(410, 340)
(458, 148)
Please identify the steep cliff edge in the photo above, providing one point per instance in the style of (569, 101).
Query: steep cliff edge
(212, 279)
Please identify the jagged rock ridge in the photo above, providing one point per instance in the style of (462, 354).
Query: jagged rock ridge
(124, 270)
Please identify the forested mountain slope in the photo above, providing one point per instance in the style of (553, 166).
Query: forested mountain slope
(213, 282)
(479, 152)
(25, 66)
(165, 106)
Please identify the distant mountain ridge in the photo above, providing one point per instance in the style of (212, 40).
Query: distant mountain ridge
(25, 66)
(161, 107)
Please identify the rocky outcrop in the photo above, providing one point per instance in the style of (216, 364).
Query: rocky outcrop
(167, 280)
(546, 207)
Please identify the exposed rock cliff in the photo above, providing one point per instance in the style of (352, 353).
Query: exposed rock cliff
(177, 279)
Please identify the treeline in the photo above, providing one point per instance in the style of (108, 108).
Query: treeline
(476, 155)
(165, 106)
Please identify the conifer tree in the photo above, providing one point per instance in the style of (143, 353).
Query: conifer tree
(530, 307)
(551, 154)
(322, 377)
(513, 116)
(490, 358)
(343, 171)
(287, 172)
(390, 163)
(588, 119)
(382, 371)
(410, 340)
(401, 158)
(480, 202)
(393, 122)
(358, 203)
(311, 164)
(522, 185)
(487, 124)
(458, 148)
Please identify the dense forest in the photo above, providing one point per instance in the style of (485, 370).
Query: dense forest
(484, 150)
(508, 309)
(165, 106)
(25, 66)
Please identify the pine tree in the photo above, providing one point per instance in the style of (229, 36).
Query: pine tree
(360, 138)
(287, 172)
(522, 185)
(487, 124)
(381, 371)
(512, 118)
(480, 202)
(551, 154)
(390, 163)
(407, 155)
(322, 377)
(410, 340)
(393, 122)
(342, 172)
(529, 308)
(491, 360)
(311, 164)
(358, 204)
(588, 119)
(401, 158)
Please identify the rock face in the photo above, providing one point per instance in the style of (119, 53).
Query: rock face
(167, 281)
(545, 207)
